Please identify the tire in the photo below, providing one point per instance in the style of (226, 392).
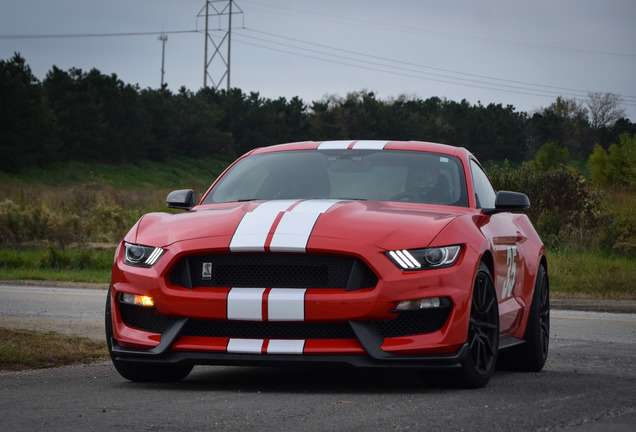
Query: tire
(483, 339)
(141, 372)
(532, 355)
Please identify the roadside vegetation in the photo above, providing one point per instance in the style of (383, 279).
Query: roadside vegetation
(25, 349)
(63, 223)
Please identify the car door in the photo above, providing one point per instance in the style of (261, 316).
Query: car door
(507, 243)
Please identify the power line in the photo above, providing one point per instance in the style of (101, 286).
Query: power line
(522, 88)
(92, 35)
(474, 81)
(406, 29)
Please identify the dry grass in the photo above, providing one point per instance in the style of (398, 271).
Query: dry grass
(26, 349)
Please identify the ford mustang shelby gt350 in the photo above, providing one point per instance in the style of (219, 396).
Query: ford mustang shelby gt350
(367, 253)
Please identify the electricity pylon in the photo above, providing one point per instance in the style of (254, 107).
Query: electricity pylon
(163, 38)
(218, 60)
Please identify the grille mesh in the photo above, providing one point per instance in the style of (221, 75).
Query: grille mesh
(269, 330)
(406, 324)
(273, 270)
(412, 323)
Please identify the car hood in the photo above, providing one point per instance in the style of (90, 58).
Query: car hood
(294, 225)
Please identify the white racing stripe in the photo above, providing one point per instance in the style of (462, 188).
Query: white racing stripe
(334, 145)
(294, 229)
(284, 304)
(370, 145)
(245, 346)
(291, 234)
(359, 145)
(281, 346)
(251, 232)
(245, 304)
(274, 346)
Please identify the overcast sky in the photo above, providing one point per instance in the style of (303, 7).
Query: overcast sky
(522, 53)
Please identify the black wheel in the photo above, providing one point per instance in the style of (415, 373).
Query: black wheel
(483, 338)
(147, 372)
(532, 355)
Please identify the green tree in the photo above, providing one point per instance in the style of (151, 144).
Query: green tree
(615, 167)
(26, 125)
(551, 156)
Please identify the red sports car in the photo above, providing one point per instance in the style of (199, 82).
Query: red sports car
(367, 253)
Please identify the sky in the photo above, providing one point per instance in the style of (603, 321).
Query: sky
(509, 52)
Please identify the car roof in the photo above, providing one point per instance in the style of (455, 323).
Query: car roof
(367, 144)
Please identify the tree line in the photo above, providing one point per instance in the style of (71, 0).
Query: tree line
(90, 116)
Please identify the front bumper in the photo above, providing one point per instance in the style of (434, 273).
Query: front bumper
(359, 340)
(370, 339)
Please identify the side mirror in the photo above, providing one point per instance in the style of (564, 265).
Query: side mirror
(509, 202)
(182, 199)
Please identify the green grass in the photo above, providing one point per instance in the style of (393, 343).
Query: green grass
(176, 174)
(26, 349)
(590, 275)
(49, 263)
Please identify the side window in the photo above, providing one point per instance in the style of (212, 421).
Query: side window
(484, 192)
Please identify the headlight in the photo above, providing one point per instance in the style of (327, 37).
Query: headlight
(422, 259)
(141, 256)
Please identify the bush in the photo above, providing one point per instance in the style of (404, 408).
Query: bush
(564, 210)
(550, 156)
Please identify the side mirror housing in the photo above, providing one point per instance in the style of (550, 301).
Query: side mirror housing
(182, 199)
(509, 202)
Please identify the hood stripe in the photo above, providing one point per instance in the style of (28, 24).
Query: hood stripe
(263, 229)
(294, 229)
(251, 232)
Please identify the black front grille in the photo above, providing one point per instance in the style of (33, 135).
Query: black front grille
(414, 322)
(144, 318)
(273, 270)
(406, 324)
(269, 330)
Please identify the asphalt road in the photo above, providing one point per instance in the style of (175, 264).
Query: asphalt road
(589, 384)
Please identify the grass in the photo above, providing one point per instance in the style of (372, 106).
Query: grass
(25, 349)
(177, 173)
(591, 275)
(49, 263)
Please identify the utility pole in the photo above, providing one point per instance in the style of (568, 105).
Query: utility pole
(163, 38)
(220, 57)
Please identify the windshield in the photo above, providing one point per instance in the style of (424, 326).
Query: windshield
(384, 175)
